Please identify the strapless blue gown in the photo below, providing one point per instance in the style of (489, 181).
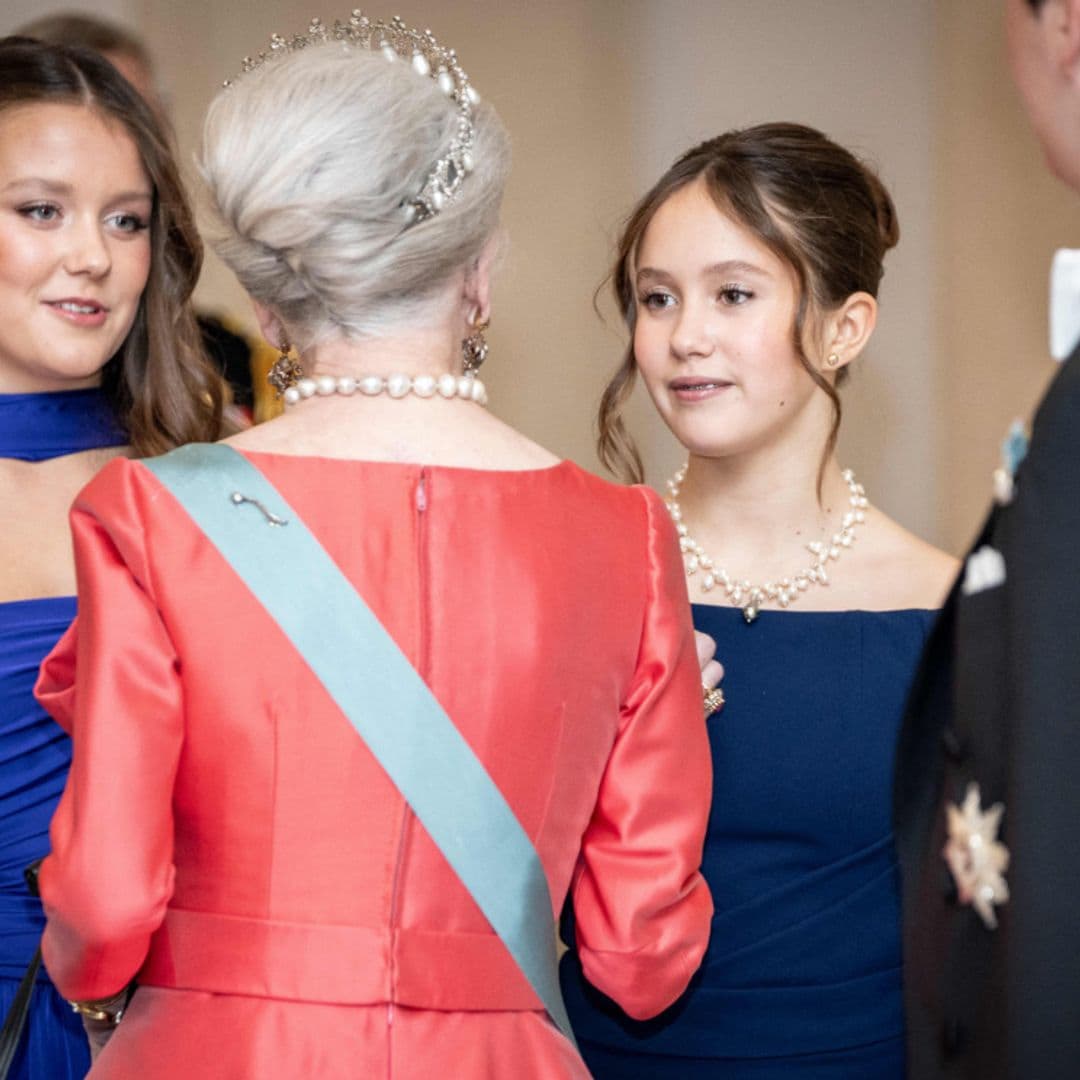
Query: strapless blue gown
(801, 980)
(34, 752)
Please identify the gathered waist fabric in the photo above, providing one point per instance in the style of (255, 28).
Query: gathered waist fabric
(341, 965)
(743, 1023)
(811, 967)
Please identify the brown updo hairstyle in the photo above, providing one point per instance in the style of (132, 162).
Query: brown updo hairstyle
(811, 202)
(160, 384)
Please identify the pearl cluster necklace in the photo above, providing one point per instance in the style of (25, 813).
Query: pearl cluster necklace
(467, 387)
(745, 594)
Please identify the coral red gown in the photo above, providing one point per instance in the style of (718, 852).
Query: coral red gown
(226, 837)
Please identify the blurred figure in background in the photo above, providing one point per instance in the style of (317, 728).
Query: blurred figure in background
(987, 799)
(123, 49)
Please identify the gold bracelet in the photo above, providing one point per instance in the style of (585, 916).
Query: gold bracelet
(105, 1010)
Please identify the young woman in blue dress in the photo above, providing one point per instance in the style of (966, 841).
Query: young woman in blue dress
(748, 277)
(99, 356)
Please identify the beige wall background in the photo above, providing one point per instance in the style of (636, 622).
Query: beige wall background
(862, 72)
(600, 96)
(1000, 218)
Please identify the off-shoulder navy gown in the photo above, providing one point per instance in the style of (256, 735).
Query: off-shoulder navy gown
(34, 752)
(801, 980)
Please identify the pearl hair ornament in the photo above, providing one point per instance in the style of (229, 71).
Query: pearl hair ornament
(429, 59)
(398, 385)
(745, 594)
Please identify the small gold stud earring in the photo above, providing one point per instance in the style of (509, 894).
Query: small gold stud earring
(833, 359)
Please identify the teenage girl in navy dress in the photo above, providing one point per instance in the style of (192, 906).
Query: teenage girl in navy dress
(99, 356)
(748, 276)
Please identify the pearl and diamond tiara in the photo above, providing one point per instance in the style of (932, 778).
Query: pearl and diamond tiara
(428, 58)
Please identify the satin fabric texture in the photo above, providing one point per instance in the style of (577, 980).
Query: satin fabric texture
(34, 759)
(34, 752)
(37, 427)
(802, 976)
(383, 696)
(225, 834)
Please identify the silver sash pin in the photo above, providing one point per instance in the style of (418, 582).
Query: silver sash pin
(239, 499)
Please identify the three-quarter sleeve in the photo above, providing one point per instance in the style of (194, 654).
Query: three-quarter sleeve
(112, 682)
(641, 906)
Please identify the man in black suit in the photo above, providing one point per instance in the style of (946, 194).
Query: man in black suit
(988, 767)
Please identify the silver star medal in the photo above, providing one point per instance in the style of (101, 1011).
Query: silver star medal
(975, 856)
(1014, 449)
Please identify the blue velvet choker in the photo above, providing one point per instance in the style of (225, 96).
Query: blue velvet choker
(35, 427)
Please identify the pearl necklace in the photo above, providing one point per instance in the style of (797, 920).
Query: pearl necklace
(467, 387)
(747, 595)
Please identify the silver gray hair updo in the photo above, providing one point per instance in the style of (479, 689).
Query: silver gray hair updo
(311, 161)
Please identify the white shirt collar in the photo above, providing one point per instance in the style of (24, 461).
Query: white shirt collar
(1064, 303)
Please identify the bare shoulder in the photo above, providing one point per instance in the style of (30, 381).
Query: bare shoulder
(917, 574)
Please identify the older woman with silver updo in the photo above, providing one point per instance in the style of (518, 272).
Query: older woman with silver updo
(476, 688)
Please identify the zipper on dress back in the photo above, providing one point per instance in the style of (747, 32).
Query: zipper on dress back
(420, 503)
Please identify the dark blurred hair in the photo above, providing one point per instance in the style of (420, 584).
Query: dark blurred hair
(159, 383)
(76, 30)
(810, 201)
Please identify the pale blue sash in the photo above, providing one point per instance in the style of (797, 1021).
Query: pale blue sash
(271, 550)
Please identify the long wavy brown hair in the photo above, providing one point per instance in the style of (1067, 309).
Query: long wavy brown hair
(811, 202)
(160, 384)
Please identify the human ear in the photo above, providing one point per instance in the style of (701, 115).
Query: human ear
(848, 329)
(476, 291)
(270, 325)
(1065, 26)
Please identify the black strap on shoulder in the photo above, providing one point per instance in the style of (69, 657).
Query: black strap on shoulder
(15, 1021)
